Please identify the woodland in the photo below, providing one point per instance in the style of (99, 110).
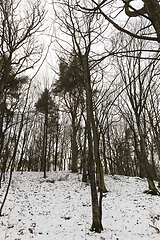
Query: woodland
(79, 93)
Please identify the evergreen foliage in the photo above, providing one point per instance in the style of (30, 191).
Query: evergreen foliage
(71, 76)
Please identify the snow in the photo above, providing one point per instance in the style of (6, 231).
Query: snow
(59, 208)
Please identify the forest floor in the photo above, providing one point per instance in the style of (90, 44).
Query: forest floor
(59, 208)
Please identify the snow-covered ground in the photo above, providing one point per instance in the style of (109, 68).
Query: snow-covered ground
(59, 208)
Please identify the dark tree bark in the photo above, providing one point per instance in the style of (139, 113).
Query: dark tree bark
(74, 166)
(56, 149)
(12, 163)
(84, 159)
(96, 207)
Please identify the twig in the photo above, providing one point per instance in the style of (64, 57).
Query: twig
(156, 228)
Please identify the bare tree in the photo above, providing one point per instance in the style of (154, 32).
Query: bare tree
(149, 11)
(139, 77)
(83, 31)
(20, 24)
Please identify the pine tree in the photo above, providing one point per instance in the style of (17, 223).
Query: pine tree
(45, 105)
(70, 86)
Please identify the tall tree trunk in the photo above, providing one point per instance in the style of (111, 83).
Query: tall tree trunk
(96, 218)
(12, 163)
(20, 164)
(2, 137)
(99, 167)
(43, 149)
(46, 138)
(145, 164)
(5, 158)
(74, 147)
(104, 152)
(49, 154)
(84, 162)
(56, 150)
(62, 153)
(110, 158)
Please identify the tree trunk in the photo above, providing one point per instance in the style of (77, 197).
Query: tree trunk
(84, 165)
(74, 147)
(7, 190)
(49, 154)
(104, 152)
(20, 167)
(99, 167)
(46, 136)
(5, 158)
(153, 11)
(56, 150)
(43, 150)
(96, 218)
(110, 161)
(5, 72)
(145, 164)
(12, 163)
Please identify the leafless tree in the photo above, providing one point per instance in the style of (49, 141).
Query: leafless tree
(20, 25)
(139, 77)
(113, 12)
(83, 31)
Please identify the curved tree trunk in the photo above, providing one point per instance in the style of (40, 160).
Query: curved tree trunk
(153, 11)
(12, 163)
